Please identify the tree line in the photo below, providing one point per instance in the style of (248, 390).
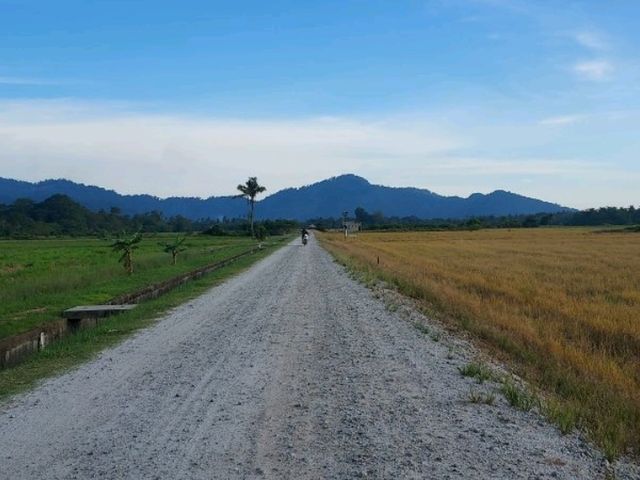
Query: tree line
(59, 215)
(591, 217)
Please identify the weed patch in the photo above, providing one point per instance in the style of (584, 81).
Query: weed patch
(481, 397)
(422, 328)
(480, 372)
(518, 397)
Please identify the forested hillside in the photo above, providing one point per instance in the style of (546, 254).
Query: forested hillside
(60, 215)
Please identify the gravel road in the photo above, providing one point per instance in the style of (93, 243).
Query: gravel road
(290, 370)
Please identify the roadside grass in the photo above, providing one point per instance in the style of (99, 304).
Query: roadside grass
(479, 371)
(559, 304)
(422, 328)
(565, 417)
(40, 278)
(518, 397)
(78, 348)
(482, 397)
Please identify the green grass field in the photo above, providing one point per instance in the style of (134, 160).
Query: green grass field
(40, 278)
(76, 349)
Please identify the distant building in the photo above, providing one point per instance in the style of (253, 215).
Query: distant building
(351, 227)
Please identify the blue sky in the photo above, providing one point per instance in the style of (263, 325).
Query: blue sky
(457, 96)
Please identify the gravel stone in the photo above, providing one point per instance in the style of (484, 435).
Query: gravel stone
(290, 370)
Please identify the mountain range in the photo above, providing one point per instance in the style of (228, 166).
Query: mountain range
(328, 198)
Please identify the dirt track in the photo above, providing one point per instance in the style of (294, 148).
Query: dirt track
(289, 370)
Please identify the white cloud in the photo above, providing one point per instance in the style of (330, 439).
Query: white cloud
(178, 155)
(119, 146)
(595, 70)
(591, 40)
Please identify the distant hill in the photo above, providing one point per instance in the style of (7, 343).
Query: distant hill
(328, 198)
(347, 192)
(97, 198)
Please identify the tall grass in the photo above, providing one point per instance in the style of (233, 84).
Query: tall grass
(562, 304)
(40, 278)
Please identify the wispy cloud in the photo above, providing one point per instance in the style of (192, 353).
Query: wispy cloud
(176, 154)
(29, 81)
(169, 154)
(561, 120)
(595, 41)
(594, 70)
(597, 69)
(591, 40)
(474, 166)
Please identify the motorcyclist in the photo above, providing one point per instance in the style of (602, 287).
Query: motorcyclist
(305, 235)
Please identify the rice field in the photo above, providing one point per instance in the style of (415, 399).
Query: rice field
(561, 304)
(40, 278)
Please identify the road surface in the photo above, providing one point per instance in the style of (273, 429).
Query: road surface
(290, 370)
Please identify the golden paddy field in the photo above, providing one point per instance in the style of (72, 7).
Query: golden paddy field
(561, 304)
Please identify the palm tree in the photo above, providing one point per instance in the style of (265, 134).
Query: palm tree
(250, 191)
(174, 248)
(127, 246)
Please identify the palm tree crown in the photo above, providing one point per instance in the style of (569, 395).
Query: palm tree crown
(250, 191)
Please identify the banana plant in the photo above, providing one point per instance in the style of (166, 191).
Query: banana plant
(126, 245)
(174, 248)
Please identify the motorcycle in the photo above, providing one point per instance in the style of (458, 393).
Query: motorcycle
(305, 239)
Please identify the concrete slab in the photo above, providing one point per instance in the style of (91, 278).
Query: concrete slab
(96, 311)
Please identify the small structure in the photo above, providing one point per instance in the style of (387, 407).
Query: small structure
(89, 315)
(350, 227)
